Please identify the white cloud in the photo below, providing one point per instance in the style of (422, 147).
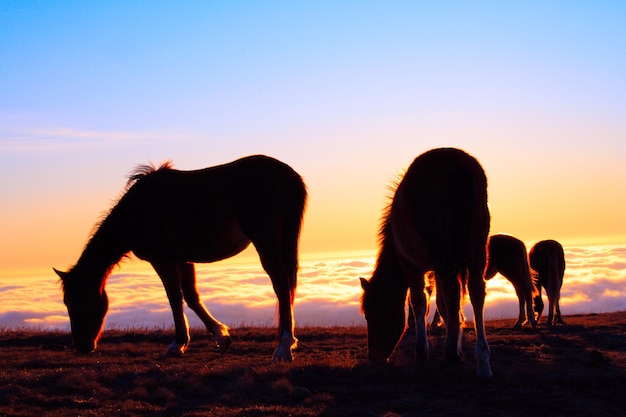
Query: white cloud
(62, 138)
(328, 294)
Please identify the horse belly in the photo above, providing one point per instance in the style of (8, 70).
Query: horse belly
(217, 245)
(197, 243)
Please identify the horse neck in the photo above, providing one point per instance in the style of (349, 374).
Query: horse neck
(388, 271)
(104, 250)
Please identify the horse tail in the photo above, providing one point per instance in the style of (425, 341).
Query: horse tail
(537, 286)
(296, 205)
(534, 282)
(536, 279)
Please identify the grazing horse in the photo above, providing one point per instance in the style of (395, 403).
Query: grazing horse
(438, 221)
(547, 263)
(173, 219)
(507, 255)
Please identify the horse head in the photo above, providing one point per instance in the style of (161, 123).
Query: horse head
(87, 304)
(385, 316)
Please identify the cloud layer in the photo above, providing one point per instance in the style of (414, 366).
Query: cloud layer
(328, 294)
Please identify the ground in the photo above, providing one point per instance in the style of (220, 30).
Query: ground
(574, 370)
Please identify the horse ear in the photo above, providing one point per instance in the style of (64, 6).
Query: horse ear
(61, 274)
(365, 284)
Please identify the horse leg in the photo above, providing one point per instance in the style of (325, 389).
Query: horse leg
(521, 318)
(170, 275)
(190, 292)
(273, 265)
(558, 318)
(557, 305)
(554, 312)
(553, 292)
(528, 303)
(449, 297)
(476, 287)
(557, 301)
(530, 314)
(550, 310)
(419, 303)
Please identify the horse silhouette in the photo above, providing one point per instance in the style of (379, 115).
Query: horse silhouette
(438, 221)
(173, 219)
(507, 255)
(547, 263)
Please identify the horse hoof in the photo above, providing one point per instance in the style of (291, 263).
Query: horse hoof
(223, 343)
(283, 358)
(283, 355)
(176, 350)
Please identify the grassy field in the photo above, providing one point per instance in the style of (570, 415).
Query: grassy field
(573, 370)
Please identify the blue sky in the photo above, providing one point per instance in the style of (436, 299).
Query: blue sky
(200, 66)
(347, 93)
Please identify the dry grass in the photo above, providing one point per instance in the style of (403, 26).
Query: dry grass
(576, 370)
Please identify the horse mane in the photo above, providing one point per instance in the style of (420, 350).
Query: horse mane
(143, 170)
(386, 253)
(384, 230)
(139, 172)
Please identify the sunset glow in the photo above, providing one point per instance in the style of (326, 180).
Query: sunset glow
(328, 292)
(345, 93)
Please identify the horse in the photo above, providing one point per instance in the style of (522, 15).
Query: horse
(173, 219)
(438, 221)
(547, 263)
(507, 255)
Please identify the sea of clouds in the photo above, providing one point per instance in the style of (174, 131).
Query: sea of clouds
(328, 293)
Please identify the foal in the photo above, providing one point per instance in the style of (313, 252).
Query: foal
(547, 262)
(507, 255)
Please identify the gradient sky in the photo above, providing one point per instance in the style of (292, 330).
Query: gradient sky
(348, 93)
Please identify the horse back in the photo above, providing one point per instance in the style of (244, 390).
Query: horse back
(547, 260)
(439, 212)
(259, 185)
(259, 181)
(212, 209)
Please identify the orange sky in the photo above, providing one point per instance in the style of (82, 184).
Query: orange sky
(41, 231)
